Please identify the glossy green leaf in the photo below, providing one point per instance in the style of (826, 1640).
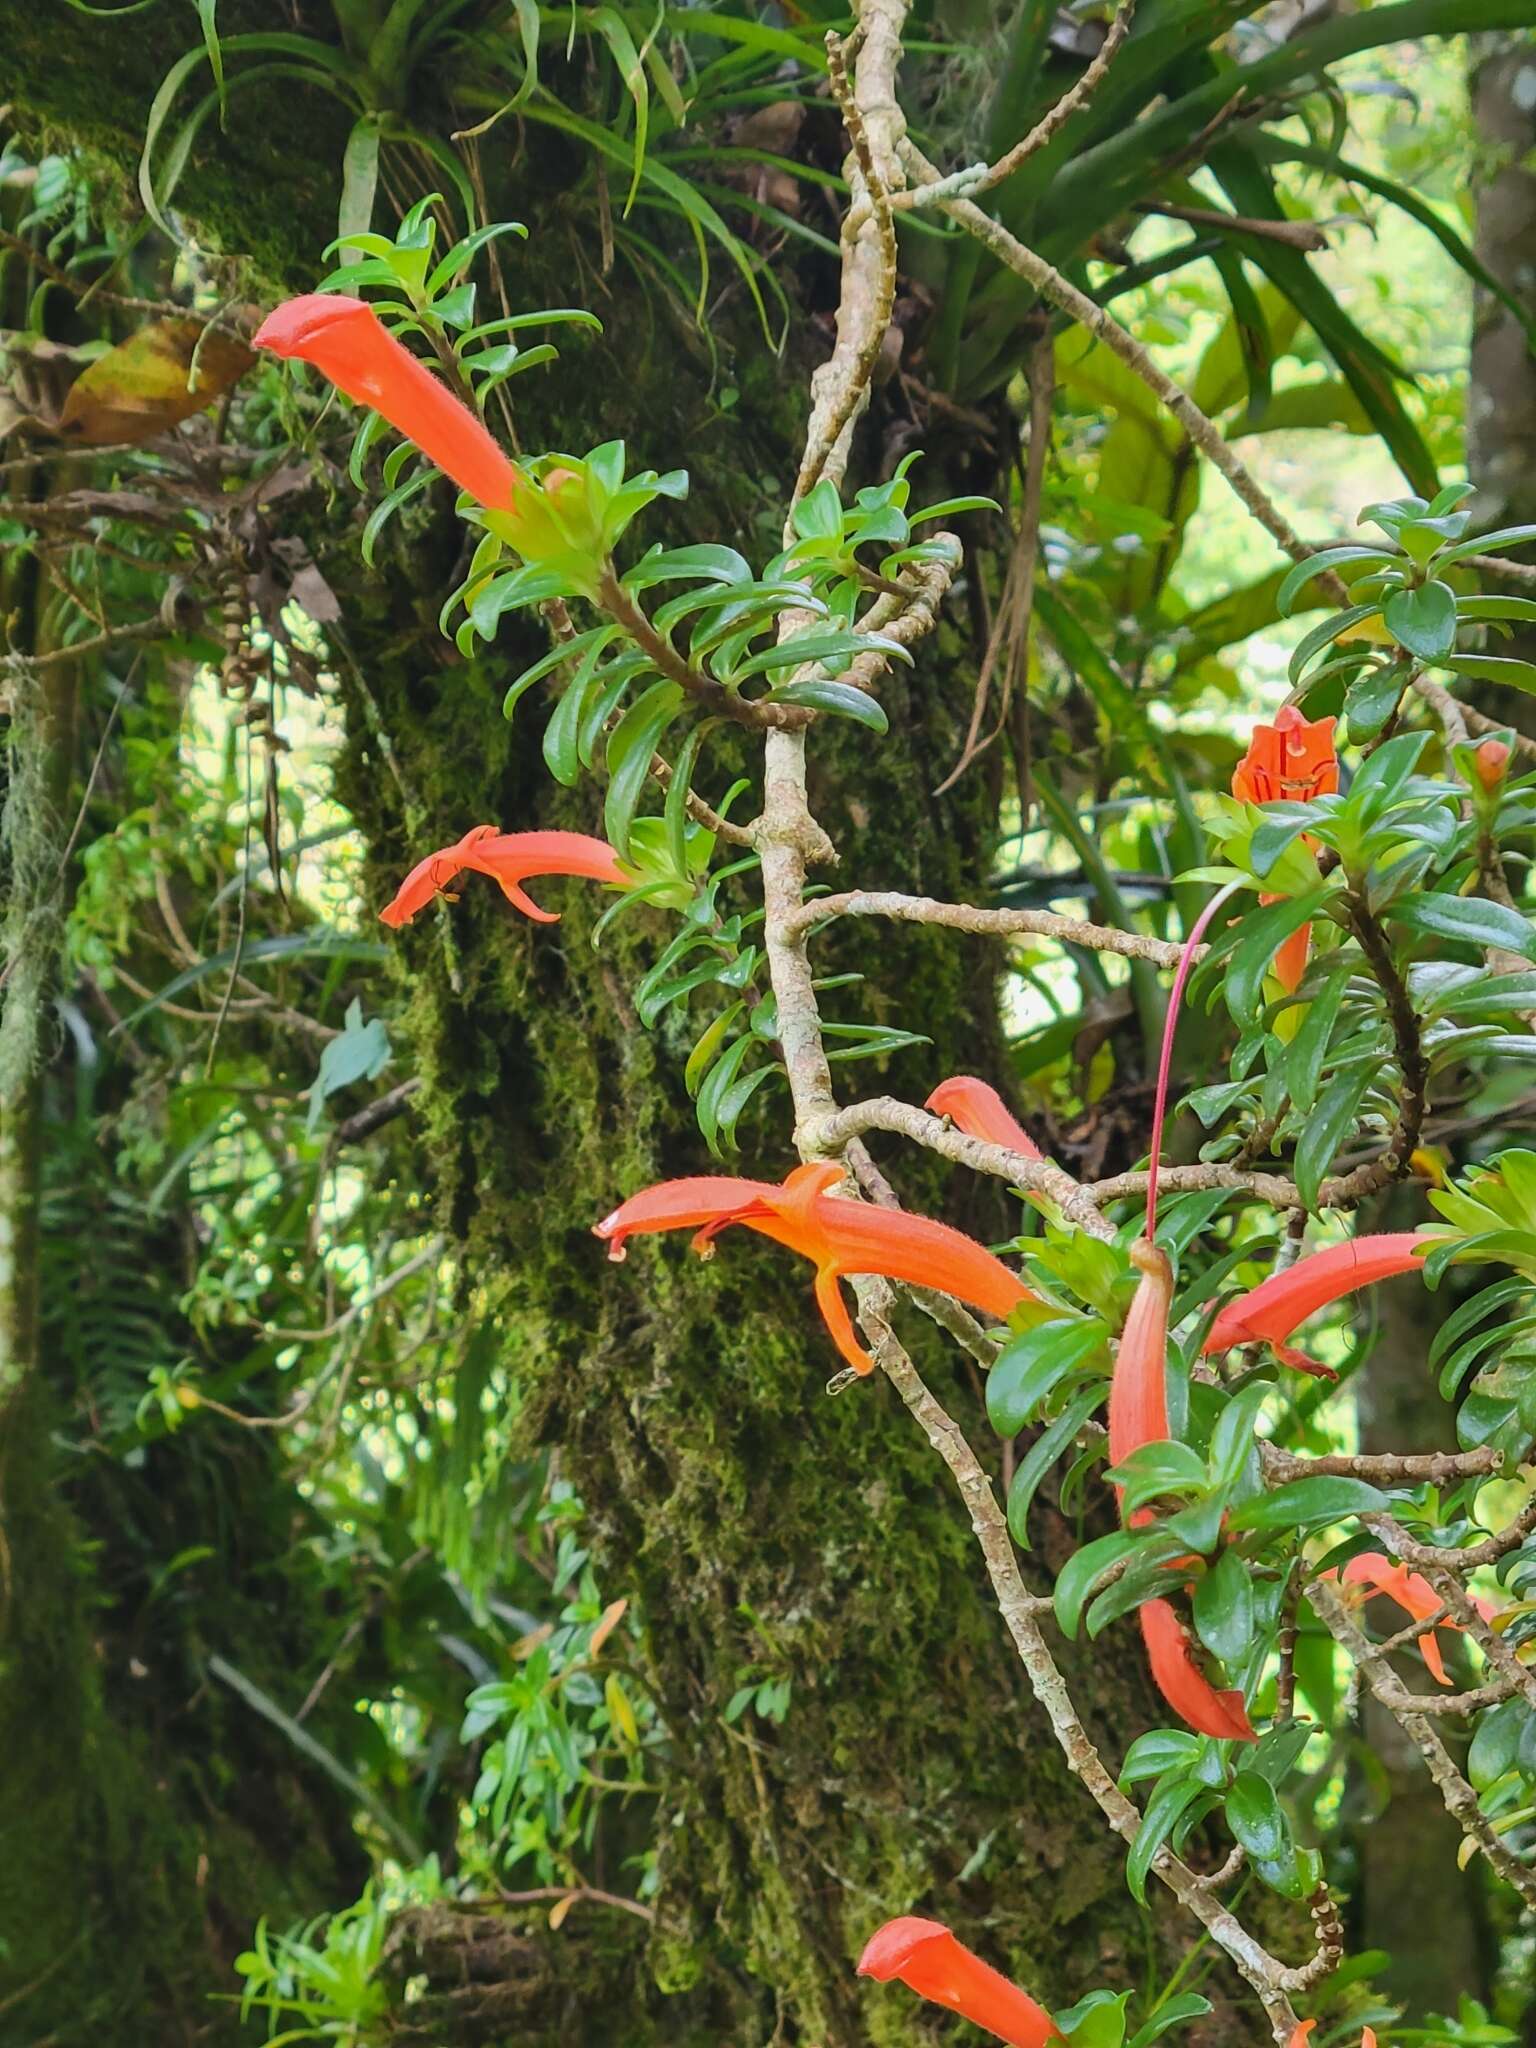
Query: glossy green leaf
(630, 746)
(1328, 1125)
(1170, 1796)
(1310, 1504)
(1254, 1816)
(1223, 1608)
(1042, 1455)
(1469, 921)
(1034, 1364)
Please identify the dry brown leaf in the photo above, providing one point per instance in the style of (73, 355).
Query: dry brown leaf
(611, 1616)
(139, 389)
(559, 1909)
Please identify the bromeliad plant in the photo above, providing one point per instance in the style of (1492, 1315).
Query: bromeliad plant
(1373, 960)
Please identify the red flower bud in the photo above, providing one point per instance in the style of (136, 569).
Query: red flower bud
(1491, 764)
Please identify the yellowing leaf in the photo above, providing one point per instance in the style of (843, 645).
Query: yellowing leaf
(140, 388)
(620, 1712)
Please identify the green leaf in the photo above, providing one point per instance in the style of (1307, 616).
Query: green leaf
(1326, 558)
(819, 514)
(1097, 2021)
(1494, 668)
(1232, 1440)
(709, 1043)
(1080, 1574)
(630, 746)
(1263, 933)
(1255, 1818)
(845, 700)
(1488, 543)
(1155, 1469)
(1324, 635)
(1310, 1504)
(1033, 1365)
(1223, 1608)
(1171, 1795)
(1423, 620)
(359, 182)
(1371, 700)
(1468, 920)
(1281, 825)
(1173, 2012)
(1382, 777)
(1159, 1750)
(1496, 1744)
(1328, 1126)
(1309, 1048)
(359, 1053)
(819, 646)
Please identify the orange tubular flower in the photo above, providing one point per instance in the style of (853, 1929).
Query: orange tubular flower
(1270, 1312)
(1412, 1592)
(976, 1108)
(1183, 1684)
(509, 858)
(1292, 760)
(1138, 1392)
(926, 1957)
(347, 342)
(841, 1237)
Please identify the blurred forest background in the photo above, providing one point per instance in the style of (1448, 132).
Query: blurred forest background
(402, 1625)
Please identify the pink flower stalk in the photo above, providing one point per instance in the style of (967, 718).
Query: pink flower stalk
(347, 343)
(510, 859)
(1268, 1313)
(928, 1959)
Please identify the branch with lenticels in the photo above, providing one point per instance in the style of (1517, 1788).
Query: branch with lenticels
(967, 917)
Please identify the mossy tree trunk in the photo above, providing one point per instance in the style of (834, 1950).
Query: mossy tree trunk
(760, 1523)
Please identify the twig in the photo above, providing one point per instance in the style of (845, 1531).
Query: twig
(1293, 234)
(841, 388)
(374, 1115)
(621, 607)
(1022, 1612)
(1459, 1797)
(578, 1893)
(974, 182)
(81, 650)
(1501, 565)
(907, 613)
(1103, 326)
(1466, 1616)
(826, 1135)
(1392, 1468)
(967, 917)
